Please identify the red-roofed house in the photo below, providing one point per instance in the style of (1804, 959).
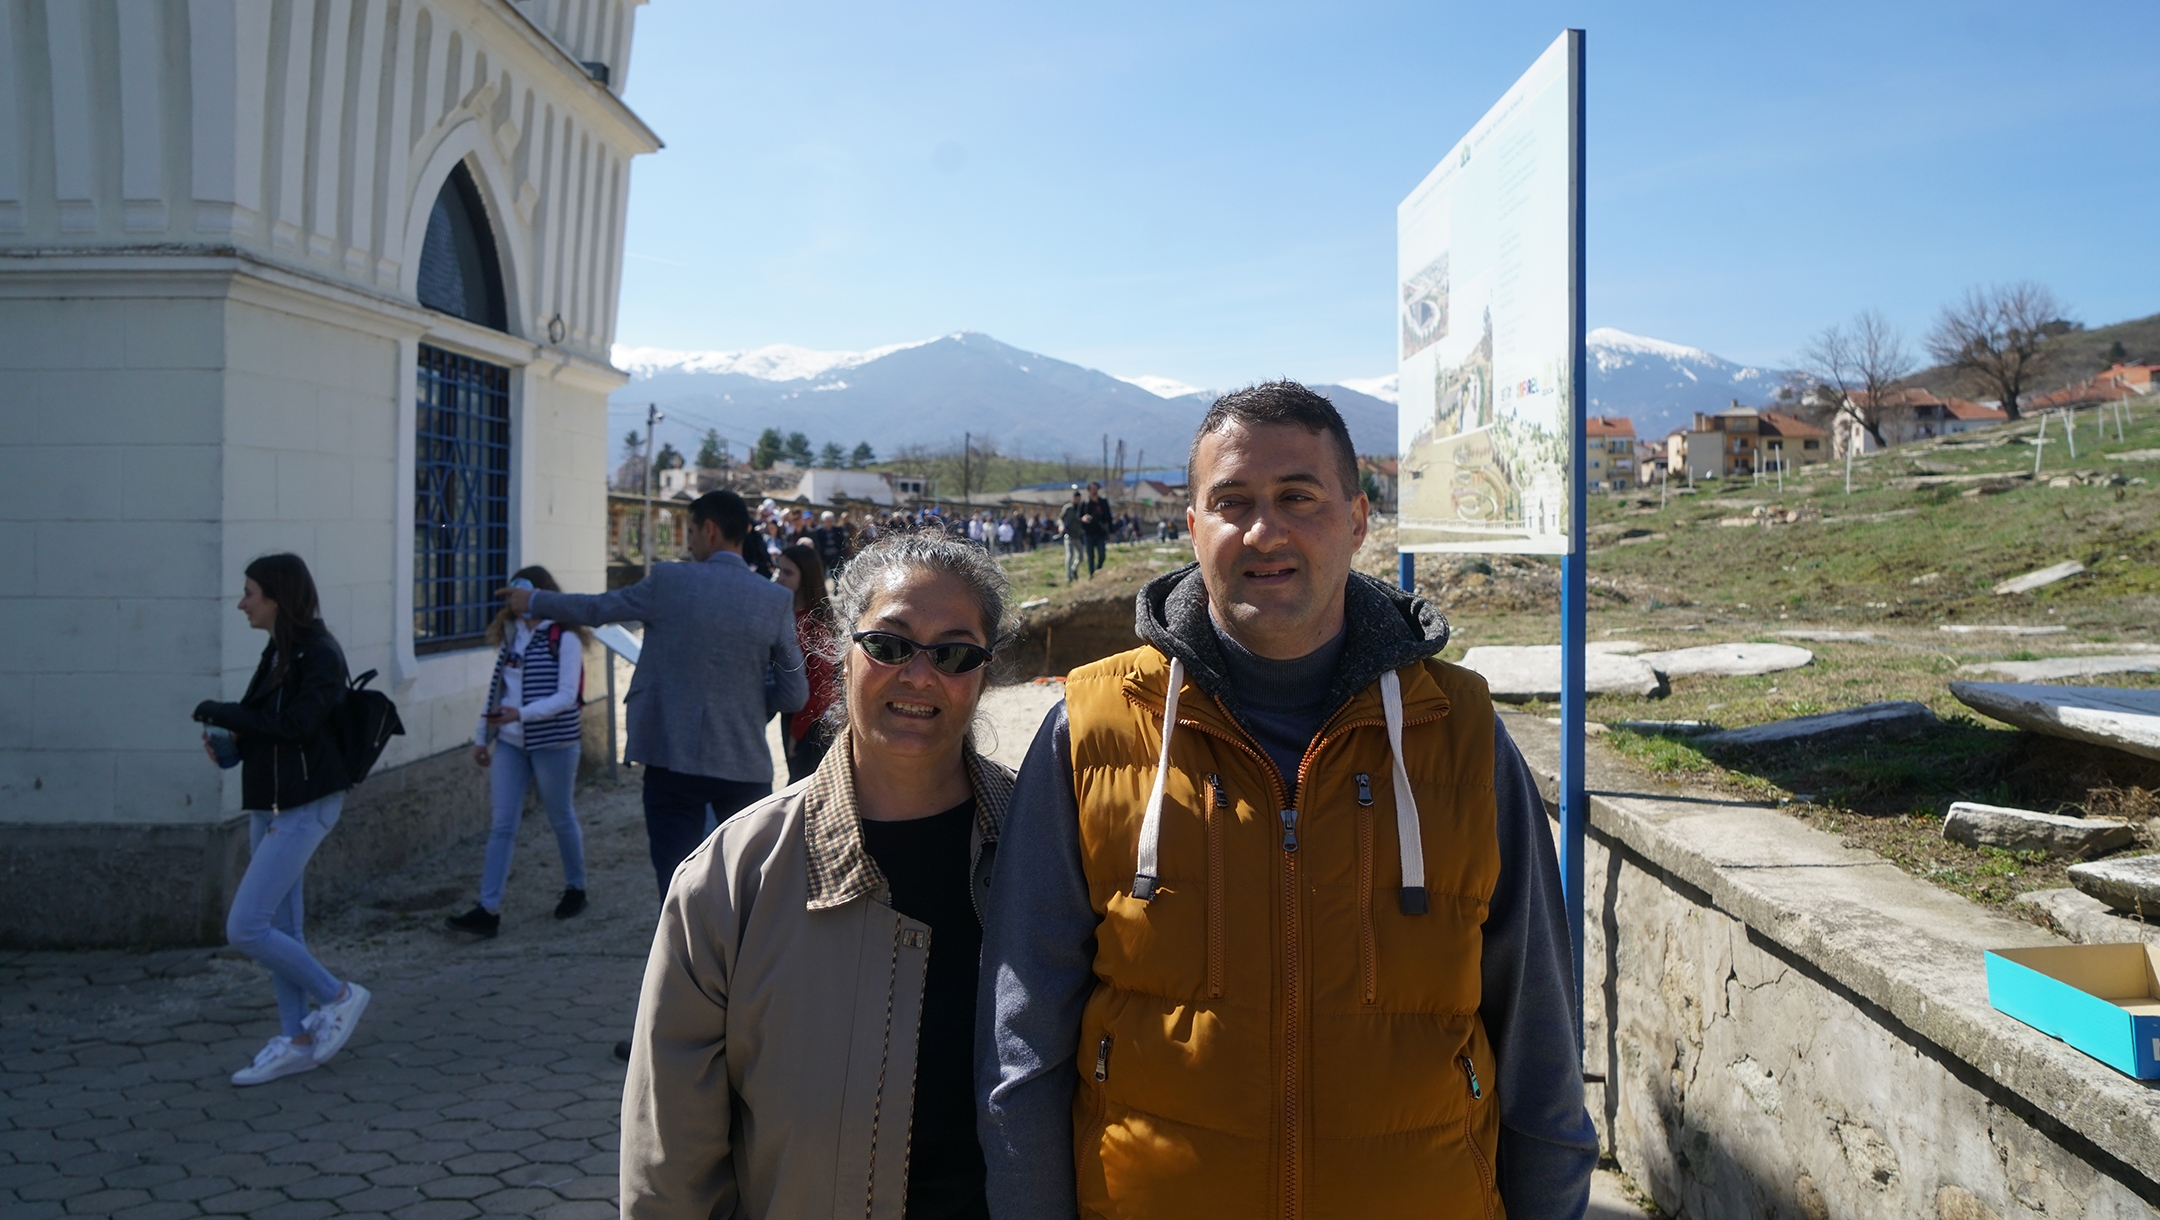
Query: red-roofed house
(2114, 385)
(1609, 443)
(1912, 415)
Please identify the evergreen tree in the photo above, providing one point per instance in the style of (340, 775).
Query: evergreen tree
(633, 444)
(798, 448)
(830, 456)
(863, 455)
(710, 456)
(667, 458)
(768, 449)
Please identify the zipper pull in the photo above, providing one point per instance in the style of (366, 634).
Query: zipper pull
(1289, 830)
(1222, 800)
(1477, 1091)
(1364, 789)
(1102, 1059)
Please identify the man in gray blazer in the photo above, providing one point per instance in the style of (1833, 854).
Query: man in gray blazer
(715, 632)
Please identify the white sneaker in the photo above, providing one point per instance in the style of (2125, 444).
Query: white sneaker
(278, 1058)
(333, 1023)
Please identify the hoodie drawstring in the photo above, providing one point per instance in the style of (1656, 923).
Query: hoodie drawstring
(1144, 880)
(1410, 898)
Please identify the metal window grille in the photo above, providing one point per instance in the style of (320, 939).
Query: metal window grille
(461, 498)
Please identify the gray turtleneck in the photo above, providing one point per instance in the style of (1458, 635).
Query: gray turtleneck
(1281, 703)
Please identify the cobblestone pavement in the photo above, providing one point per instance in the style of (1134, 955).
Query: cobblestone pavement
(481, 1081)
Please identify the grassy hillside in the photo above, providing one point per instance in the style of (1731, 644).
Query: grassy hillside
(2084, 353)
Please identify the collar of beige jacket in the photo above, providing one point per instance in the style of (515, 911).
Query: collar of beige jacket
(840, 866)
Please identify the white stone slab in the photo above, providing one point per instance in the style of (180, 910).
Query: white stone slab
(1520, 674)
(1976, 825)
(1899, 715)
(2045, 576)
(2131, 885)
(1616, 647)
(1831, 637)
(2050, 669)
(2135, 455)
(1998, 629)
(1727, 660)
(2128, 720)
(2087, 920)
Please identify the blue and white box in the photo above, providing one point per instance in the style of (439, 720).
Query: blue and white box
(2102, 999)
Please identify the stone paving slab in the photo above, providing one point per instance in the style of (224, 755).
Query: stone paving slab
(480, 1082)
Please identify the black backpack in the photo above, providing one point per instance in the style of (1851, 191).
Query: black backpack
(363, 725)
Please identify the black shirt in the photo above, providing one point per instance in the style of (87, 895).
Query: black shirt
(926, 861)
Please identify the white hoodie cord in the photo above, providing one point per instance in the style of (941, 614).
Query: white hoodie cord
(1144, 880)
(1411, 897)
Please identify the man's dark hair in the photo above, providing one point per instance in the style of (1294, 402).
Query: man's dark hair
(724, 509)
(1277, 402)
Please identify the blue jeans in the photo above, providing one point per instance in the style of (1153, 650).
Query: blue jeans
(1073, 548)
(1098, 551)
(554, 772)
(267, 910)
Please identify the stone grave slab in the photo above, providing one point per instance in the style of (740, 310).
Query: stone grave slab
(2040, 579)
(2127, 720)
(1830, 637)
(1727, 660)
(1870, 717)
(2086, 920)
(1978, 825)
(2131, 885)
(1998, 629)
(2049, 669)
(1518, 674)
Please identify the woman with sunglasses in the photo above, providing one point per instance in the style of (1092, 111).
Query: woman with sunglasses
(807, 1025)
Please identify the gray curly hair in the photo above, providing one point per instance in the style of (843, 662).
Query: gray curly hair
(894, 557)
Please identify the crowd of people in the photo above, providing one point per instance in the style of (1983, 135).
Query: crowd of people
(1268, 921)
(1086, 529)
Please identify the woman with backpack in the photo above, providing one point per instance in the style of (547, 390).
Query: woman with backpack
(528, 737)
(293, 781)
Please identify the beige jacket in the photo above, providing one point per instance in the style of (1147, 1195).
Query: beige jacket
(772, 1068)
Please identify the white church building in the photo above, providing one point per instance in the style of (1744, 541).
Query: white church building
(330, 276)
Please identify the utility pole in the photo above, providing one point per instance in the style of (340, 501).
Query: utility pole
(652, 416)
(967, 457)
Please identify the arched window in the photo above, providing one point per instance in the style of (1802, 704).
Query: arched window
(459, 273)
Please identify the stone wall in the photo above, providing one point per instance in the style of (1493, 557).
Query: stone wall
(1792, 1028)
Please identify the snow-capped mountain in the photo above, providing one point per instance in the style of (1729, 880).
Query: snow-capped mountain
(930, 393)
(1661, 385)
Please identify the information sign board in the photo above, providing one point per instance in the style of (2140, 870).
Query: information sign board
(1488, 281)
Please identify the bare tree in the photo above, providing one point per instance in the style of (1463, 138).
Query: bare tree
(1857, 368)
(1998, 336)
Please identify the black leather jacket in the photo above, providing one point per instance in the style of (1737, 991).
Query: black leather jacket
(287, 754)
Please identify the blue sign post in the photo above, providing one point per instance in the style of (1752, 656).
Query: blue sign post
(1491, 376)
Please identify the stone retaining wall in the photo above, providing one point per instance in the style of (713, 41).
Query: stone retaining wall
(1792, 1028)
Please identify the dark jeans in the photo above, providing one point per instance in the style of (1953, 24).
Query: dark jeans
(1098, 551)
(675, 804)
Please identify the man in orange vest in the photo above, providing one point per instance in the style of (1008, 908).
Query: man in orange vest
(1275, 928)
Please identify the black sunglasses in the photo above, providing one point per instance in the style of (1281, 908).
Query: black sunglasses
(888, 649)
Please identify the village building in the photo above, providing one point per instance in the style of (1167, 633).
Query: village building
(1911, 415)
(1742, 441)
(337, 278)
(1609, 446)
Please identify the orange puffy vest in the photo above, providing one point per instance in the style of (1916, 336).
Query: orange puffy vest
(1270, 1035)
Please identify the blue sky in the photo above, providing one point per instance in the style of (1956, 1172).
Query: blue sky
(1207, 191)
